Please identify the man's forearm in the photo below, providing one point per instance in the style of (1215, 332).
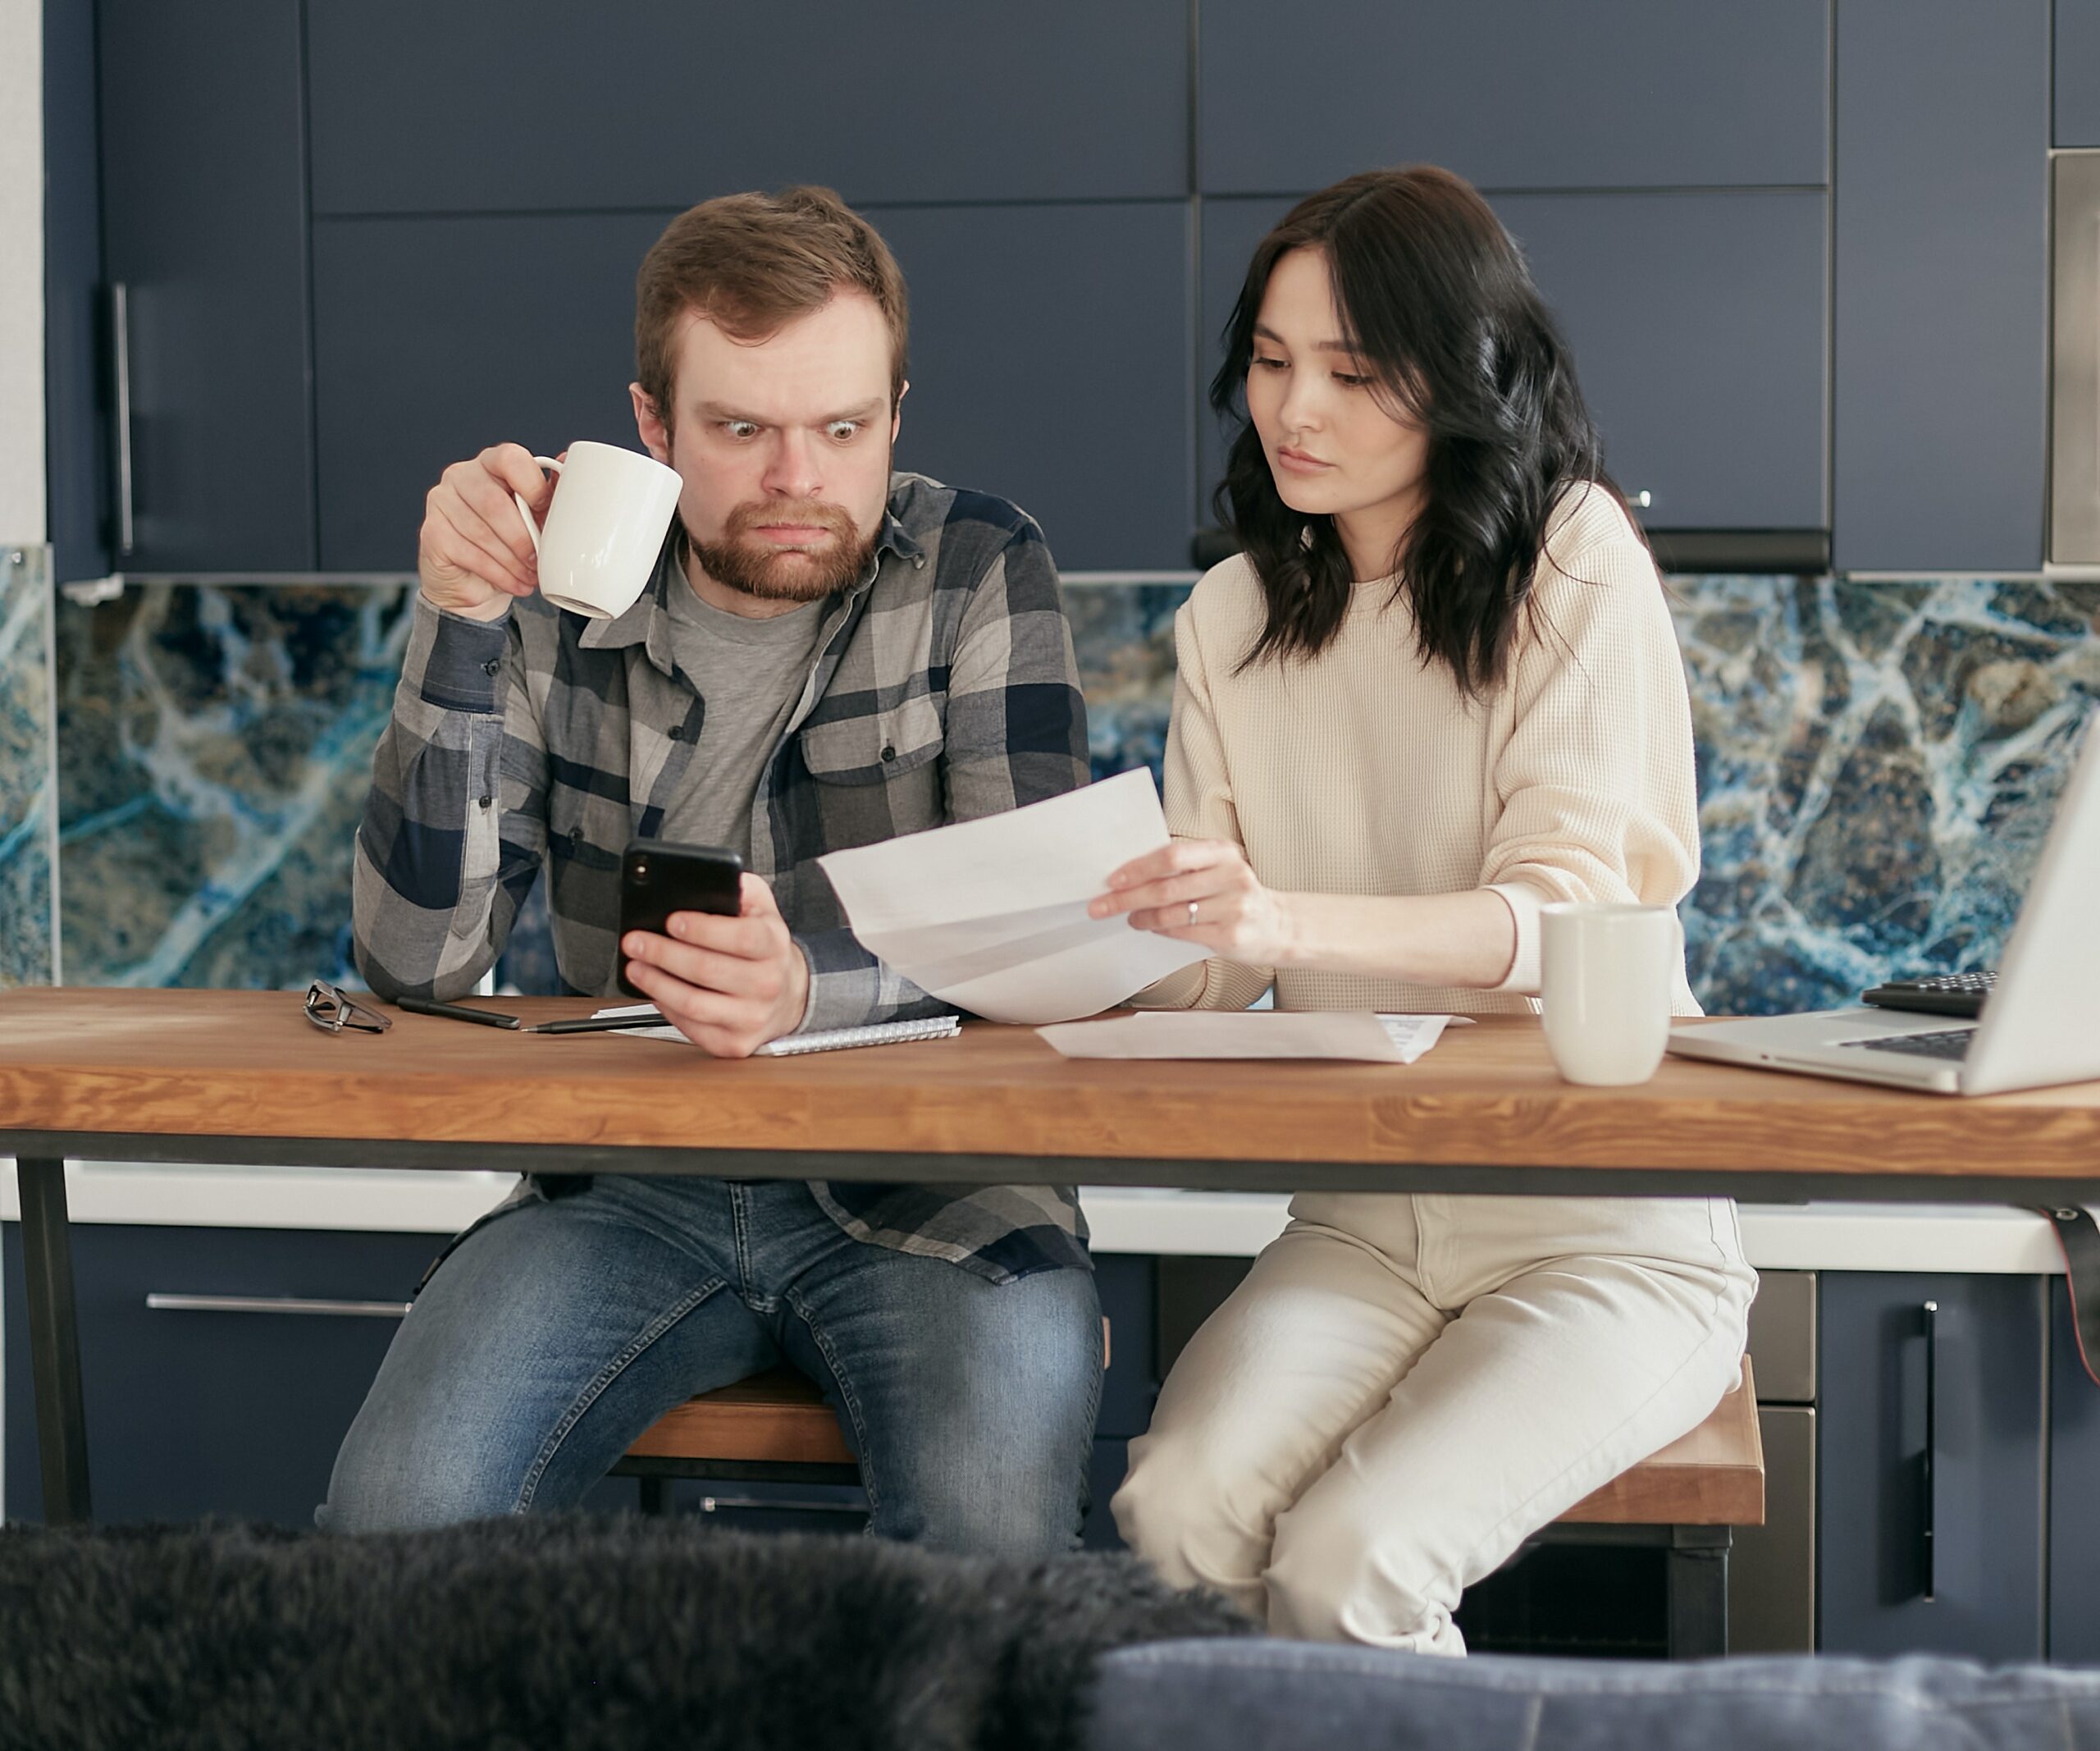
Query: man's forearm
(425, 893)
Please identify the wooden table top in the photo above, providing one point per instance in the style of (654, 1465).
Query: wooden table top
(103, 1064)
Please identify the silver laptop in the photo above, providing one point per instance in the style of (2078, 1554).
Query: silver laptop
(2040, 1025)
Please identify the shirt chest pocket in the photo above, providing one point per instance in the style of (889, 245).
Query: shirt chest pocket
(874, 750)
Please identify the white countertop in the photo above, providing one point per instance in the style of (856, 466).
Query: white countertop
(1990, 1238)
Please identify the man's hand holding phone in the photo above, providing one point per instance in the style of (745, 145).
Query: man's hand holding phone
(727, 975)
(728, 984)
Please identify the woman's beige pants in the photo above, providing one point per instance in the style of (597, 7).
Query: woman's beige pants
(1404, 1388)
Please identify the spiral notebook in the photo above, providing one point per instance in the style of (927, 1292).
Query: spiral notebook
(881, 1033)
(635, 1020)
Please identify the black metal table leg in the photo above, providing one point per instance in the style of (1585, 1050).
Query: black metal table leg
(1697, 1565)
(61, 1423)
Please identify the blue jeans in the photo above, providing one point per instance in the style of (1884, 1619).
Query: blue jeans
(559, 1330)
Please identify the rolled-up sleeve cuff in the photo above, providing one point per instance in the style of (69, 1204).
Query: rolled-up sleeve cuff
(1524, 902)
(844, 982)
(809, 991)
(461, 660)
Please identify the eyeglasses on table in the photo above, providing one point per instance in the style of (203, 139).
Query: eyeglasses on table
(331, 1009)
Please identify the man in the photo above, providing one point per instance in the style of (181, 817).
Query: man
(829, 655)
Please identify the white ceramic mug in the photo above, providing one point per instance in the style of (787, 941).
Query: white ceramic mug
(605, 528)
(1607, 974)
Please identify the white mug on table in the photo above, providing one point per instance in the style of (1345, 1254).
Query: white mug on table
(1606, 976)
(605, 528)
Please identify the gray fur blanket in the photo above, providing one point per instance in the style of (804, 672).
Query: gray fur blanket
(558, 1632)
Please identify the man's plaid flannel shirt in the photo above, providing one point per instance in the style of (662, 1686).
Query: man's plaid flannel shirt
(945, 689)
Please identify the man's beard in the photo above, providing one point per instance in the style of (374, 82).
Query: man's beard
(739, 560)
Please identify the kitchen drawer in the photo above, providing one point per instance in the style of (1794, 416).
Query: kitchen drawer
(196, 1409)
(843, 1508)
(1783, 1338)
(2077, 72)
(232, 1395)
(1772, 1567)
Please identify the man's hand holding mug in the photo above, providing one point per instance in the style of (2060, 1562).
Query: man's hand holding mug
(492, 530)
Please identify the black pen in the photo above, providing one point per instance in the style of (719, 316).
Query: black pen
(597, 1024)
(456, 1011)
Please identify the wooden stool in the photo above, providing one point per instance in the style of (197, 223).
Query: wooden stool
(1686, 1498)
(776, 1427)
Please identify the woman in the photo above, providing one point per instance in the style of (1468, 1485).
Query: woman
(1437, 690)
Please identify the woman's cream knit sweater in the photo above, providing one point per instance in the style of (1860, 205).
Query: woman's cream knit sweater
(1366, 771)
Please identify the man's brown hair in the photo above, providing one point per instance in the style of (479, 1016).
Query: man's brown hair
(751, 264)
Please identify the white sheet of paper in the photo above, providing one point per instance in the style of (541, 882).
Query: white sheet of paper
(1254, 1033)
(990, 914)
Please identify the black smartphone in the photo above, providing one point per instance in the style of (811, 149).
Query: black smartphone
(657, 878)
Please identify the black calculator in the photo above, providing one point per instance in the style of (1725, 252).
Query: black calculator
(1944, 994)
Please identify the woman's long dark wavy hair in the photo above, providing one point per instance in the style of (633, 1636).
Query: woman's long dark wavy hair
(1436, 298)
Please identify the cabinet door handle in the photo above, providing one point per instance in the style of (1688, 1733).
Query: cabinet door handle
(161, 1302)
(120, 358)
(1928, 1464)
(797, 1504)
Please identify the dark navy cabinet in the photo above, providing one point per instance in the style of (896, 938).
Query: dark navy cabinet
(1696, 320)
(203, 209)
(2078, 73)
(1941, 398)
(193, 1412)
(76, 316)
(2074, 1493)
(1050, 365)
(434, 339)
(1049, 361)
(1931, 1495)
(1802, 249)
(1513, 95)
(539, 106)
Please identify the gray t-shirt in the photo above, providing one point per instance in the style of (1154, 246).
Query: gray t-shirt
(751, 673)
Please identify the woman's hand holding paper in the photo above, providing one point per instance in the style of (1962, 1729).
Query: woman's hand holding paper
(1203, 891)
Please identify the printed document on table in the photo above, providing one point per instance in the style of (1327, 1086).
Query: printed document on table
(1254, 1033)
(991, 916)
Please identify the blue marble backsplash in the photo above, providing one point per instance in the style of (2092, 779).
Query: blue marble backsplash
(214, 745)
(1877, 765)
(28, 811)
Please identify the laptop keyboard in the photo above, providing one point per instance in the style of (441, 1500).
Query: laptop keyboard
(1947, 1042)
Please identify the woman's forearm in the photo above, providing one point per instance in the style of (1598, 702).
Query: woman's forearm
(1465, 939)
